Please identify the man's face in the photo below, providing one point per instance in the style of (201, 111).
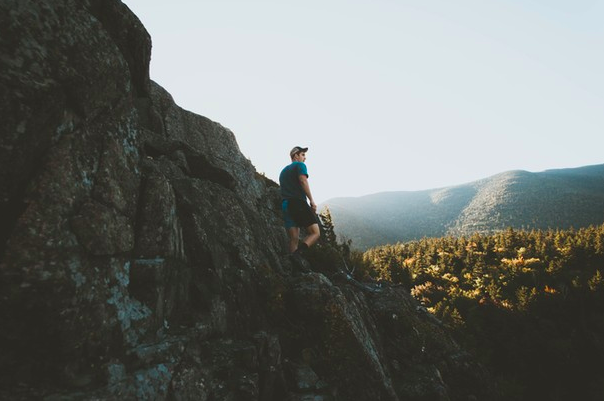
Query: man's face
(300, 157)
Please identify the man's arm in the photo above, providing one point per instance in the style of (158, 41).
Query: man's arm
(304, 182)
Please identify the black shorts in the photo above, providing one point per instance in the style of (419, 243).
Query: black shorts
(297, 213)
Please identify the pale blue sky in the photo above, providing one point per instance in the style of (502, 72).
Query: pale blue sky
(390, 94)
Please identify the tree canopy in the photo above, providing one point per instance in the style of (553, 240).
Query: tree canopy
(530, 304)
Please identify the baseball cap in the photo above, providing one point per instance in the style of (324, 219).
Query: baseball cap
(296, 150)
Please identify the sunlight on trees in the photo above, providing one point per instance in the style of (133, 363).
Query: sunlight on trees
(517, 298)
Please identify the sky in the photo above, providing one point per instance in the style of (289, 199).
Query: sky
(390, 95)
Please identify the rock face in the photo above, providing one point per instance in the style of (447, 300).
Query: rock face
(142, 256)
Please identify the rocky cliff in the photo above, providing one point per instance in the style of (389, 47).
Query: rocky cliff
(142, 256)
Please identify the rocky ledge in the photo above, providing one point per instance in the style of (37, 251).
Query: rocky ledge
(142, 256)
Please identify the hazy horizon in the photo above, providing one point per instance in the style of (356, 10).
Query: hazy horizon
(462, 183)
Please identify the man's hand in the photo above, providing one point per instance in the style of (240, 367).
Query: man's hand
(304, 183)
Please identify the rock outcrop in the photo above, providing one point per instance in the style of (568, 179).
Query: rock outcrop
(142, 256)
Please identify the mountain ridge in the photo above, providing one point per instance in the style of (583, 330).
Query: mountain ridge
(555, 198)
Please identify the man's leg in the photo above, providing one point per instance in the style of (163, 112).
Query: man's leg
(294, 237)
(313, 234)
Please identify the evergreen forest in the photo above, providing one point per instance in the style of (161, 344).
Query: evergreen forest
(528, 304)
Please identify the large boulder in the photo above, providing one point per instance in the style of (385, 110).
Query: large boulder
(142, 256)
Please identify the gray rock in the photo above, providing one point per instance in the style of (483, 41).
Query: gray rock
(143, 257)
(302, 377)
(102, 230)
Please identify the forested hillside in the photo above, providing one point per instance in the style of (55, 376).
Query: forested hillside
(529, 303)
(551, 199)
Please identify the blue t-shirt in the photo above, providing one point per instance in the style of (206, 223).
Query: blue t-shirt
(289, 179)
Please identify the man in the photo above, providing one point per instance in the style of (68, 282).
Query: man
(296, 211)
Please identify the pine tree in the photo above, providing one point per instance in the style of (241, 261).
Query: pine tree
(329, 232)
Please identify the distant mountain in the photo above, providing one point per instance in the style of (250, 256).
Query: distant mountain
(559, 198)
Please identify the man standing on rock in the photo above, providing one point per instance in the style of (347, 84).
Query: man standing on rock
(296, 211)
